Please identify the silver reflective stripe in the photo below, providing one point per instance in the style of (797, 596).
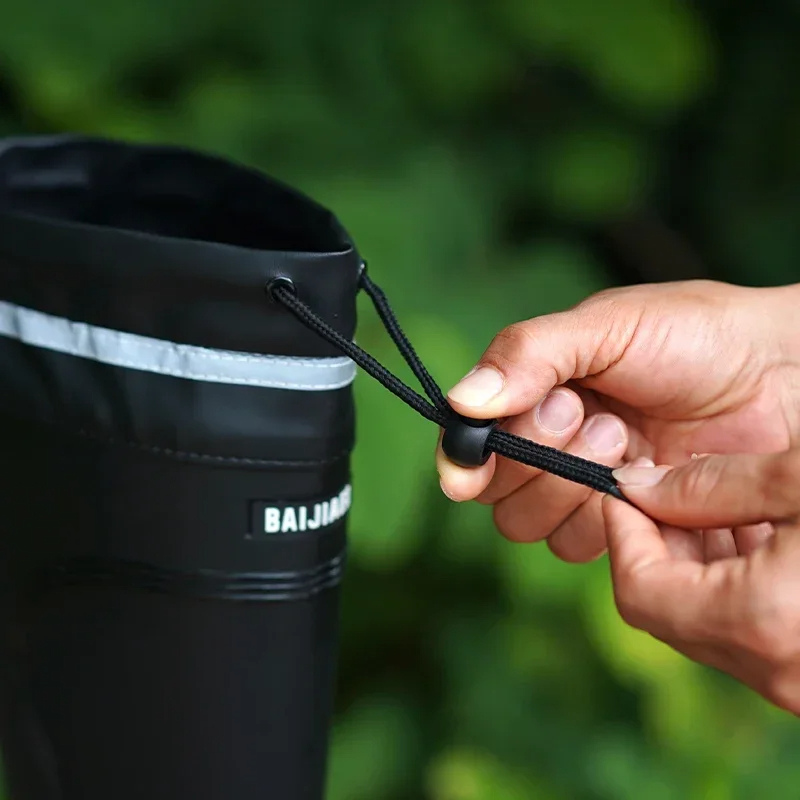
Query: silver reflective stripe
(168, 358)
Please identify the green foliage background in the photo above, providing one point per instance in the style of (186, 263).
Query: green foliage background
(494, 161)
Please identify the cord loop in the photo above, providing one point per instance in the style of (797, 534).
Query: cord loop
(467, 442)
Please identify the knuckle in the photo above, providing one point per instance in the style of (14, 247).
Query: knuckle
(581, 537)
(514, 353)
(605, 299)
(627, 597)
(614, 315)
(514, 342)
(511, 525)
(766, 638)
(574, 550)
(503, 522)
(770, 629)
(617, 305)
(701, 481)
(783, 689)
(631, 614)
(779, 484)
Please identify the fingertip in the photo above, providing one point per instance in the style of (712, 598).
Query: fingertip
(559, 413)
(478, 392)
(497, 408)
(488, 393)
(610, 508)
(461, 483)
(606, 436)
(625, 523)
(492, 410)
(611, 518)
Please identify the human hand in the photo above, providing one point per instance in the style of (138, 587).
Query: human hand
(733, 601)
(655, 371)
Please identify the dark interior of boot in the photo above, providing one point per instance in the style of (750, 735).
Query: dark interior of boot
(161, 190)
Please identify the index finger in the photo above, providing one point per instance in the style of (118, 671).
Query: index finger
(527, 359)
(718, 491)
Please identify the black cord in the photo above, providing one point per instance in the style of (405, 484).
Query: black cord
(285, 294)
(401, 340)
(438, 410)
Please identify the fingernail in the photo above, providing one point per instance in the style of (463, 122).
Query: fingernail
(445, 492)
(557, 411)
(604, 433)
(641, 462)
(478, 387)
(630, 475)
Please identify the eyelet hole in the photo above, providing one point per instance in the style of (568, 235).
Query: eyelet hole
(279, 282)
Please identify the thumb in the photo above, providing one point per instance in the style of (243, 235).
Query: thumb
(526, 360)
(673, 599)
(717, 491)
(634, 540)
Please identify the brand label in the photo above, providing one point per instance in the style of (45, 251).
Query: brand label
(274, 518)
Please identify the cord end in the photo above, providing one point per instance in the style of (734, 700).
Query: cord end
(615, 491)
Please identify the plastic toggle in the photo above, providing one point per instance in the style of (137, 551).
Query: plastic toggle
(464, 440)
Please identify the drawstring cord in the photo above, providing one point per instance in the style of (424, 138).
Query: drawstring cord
(467, 442)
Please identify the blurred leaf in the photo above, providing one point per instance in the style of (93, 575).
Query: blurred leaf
(484, 703)
(531, 573)
(622, 768)
(551, 275)
(374, 750)
(394, 461)
(595, 174)
(247, 117)
(452, 59)
(392, 464)
(418, 224)
(104, 36)
(747, 190)
(635, 656)
(654, 55)
(471, 775)
(468, 537)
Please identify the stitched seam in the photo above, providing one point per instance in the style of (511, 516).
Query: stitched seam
(188, 454)
(166, 451)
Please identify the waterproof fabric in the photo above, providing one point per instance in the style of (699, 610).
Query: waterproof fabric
(176, 457)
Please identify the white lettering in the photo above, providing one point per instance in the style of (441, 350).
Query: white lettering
(346, 496)
(272, 520)
(316, 521)
(289, 520)
(301, 518)
(326, 513)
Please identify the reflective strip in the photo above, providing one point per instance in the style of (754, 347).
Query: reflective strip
(169, 358)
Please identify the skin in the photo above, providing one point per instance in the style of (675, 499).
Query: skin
(707, 558)
(738, 613)
(671, 370)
